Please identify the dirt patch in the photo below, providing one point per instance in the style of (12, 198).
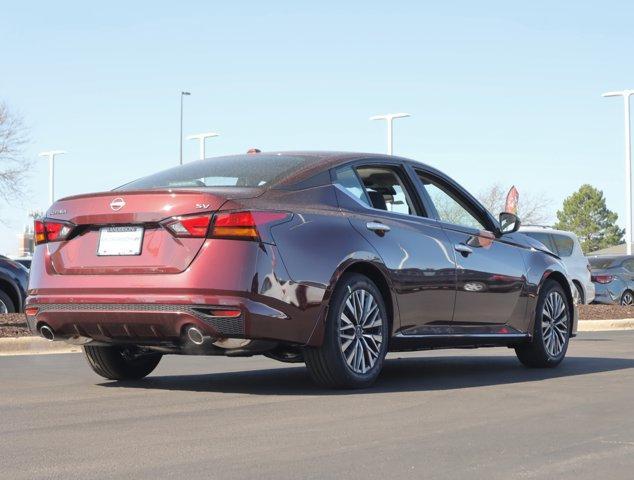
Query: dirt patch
(605, 312)
(13, 325)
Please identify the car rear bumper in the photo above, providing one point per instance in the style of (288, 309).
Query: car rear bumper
(606, 295)
(155, 308)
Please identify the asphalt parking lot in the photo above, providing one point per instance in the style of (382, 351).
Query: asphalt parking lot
(451, 414)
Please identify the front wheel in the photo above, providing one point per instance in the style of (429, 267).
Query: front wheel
(355, 339)
(121, 363)
(552, 329)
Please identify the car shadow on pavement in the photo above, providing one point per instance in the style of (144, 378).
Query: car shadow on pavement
(399, 375)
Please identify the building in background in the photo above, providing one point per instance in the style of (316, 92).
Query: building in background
(26, 242)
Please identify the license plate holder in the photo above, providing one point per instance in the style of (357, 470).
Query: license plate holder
(120, 241)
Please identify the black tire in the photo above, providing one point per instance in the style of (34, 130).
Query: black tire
(6, 303)
(625, 298)
(121, 363)
(327, 364)
(537, 354)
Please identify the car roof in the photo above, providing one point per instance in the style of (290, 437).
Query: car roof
(538, 228)
(317, 161)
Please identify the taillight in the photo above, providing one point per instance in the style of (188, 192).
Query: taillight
(193, 226)
(244, 225)
(602, 278)
(51, 231)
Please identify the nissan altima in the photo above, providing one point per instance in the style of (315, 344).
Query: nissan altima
(332, 259)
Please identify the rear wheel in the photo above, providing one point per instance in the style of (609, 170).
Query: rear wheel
(552, 329)
(356, 336)
(6, 305)
(121, 363)
(627, 298)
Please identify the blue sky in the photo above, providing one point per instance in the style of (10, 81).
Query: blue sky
(503, 92)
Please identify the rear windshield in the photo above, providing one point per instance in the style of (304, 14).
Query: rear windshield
(608, 262)
(254, 170)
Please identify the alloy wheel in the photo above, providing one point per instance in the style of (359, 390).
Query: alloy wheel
(627, 298)
(554, 323)
(361, 331)
(3, 308)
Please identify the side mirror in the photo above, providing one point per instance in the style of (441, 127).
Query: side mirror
(509, 223)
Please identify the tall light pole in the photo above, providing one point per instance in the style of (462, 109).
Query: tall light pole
(183, 94)
(628, 167)
(201, 137)
(389, 117)
(51, 172)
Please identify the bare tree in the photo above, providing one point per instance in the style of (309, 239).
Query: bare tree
(13, 164)
(531, 209)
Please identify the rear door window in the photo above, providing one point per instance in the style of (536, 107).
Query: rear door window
(386, 189)
(564, 244)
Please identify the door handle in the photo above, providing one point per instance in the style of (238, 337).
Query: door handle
(462, 248)
(377, 227)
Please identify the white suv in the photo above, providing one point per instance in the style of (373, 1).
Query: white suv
(567, 246)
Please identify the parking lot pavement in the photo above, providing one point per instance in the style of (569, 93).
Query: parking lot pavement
(451, 414)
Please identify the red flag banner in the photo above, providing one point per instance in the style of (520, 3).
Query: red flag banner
(512, 198)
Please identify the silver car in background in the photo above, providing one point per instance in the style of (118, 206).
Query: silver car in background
(613, 277)
(566, 245)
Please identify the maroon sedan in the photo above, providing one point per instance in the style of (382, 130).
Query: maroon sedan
(333, 259)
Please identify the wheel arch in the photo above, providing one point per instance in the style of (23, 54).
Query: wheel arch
(561, 279)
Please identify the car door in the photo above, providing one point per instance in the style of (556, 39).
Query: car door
(490, 270)
(382, 206)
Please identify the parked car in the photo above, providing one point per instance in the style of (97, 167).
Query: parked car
(613, 276)
(332, 259)
(567, 246)
(24, 261)
(13, 285)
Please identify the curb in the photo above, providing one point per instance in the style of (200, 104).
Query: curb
(605, 325)
(40, 346)
(34, 346)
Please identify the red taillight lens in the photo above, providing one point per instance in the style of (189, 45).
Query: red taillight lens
(602, 278)
(244, 225)
(51, 231)
(195, 226)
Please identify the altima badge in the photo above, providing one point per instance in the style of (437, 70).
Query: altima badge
(117, 204)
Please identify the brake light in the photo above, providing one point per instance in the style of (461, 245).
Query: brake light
(244, 225)
(51, 231)
(602, 278)
(193, 226)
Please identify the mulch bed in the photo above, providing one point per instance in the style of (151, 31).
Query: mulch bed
(14, 325)
(605, 312)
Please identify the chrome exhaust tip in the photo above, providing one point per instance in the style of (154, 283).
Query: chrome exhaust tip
(47, 332)
(195, 336)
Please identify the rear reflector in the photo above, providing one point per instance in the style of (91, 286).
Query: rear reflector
(195, 226)
(244, 225)
(602, 278)
(51, 231)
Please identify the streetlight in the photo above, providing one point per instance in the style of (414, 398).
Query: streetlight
(51, 172)
(628, 167)
(181, 136)
(389, 117)
(201, 137)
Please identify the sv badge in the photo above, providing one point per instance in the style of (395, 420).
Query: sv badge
(204, 206)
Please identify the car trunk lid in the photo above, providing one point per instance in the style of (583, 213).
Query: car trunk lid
(143, 212)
